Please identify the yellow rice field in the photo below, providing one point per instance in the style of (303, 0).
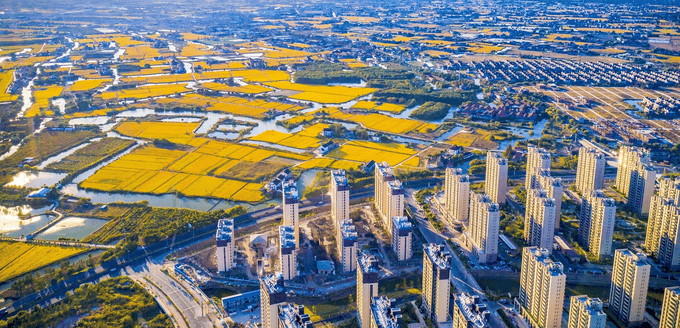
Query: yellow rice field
(322, 94)
(146, 91)
(385, 107)
(178, 132)
(85, 85)
(19, 258)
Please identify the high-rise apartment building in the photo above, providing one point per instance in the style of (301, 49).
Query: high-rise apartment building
(389, 194)
(224, 240)
(542, 179)
(347, 246)
(539, 220)
(457, 190)
(290, 207)
(484, 226)
(585, 312)
(293, 316)
(469, 312)
(670, 189)
(496, 183)
(628, 292)
(628, 160)
(272, 295)
(537, 158)
(401, 237)
(339, 197)
(287, 252)
(670, 311)
(596, 223)
(589, 170)
(436, 283)
(636, 178)
(663, 232)
(541, 291)
(367, 286)
(385, 313)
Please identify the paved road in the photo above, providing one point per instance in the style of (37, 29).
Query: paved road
(461, 279)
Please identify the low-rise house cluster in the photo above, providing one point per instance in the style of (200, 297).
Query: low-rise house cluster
(508, 108)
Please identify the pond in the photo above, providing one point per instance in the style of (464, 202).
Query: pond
(13, 225)
(524, 134)
(72, 227)
(306, 179)
(36, 179)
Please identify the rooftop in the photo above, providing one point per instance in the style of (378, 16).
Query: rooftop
(348, 231)
(273, 283)
(225, 230)
(367, 263)
(543, 257)
(498, 156)
(386, 314)
(293, 316)
(542, 152)
(401, 223)
(395, 185)
(438, 256)
(457, 173)
(385, 169)
(592, 305)
(475, 313)
(340, 178)
(640, 259)
(290, 190)
(600, 196)
(287, 236)
(486, 200)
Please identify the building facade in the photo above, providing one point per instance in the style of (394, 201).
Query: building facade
(224, 241)
(629, 158)
(628, 292)
(541, 291)
(539, 220)
(347, 246)
(537, 158)
(596, 223)
(457, 190)
(484, 227)
(635, 178)
(401, 237)
(293, 316)
(272, 295)
(589, 170)
(339, 197)
(496, 183)
(670, 311)
(287, 252)
(542, 179)
(367, 286)
(389, 194)
(663, 227)
(469, 312)
(585, 312)
(436, 283)
(290, 207)
(385, 313)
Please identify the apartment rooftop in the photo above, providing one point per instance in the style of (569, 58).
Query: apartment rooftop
(598, 154)
(497, 156)
(340, 179)
(640, 259)
(287, 236)
(225, 230)
(386, 314)
(293, 316)
(385, 170)
(474, 311)
(542, 152)
(273, 283)
(600, 196)
(457, 173)
(367, 263)
(401, 223)
(543, 257)
(592, 305)
(396, 187)
(290, 192)
(348, 231)
(438, 255)
(486, 200)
